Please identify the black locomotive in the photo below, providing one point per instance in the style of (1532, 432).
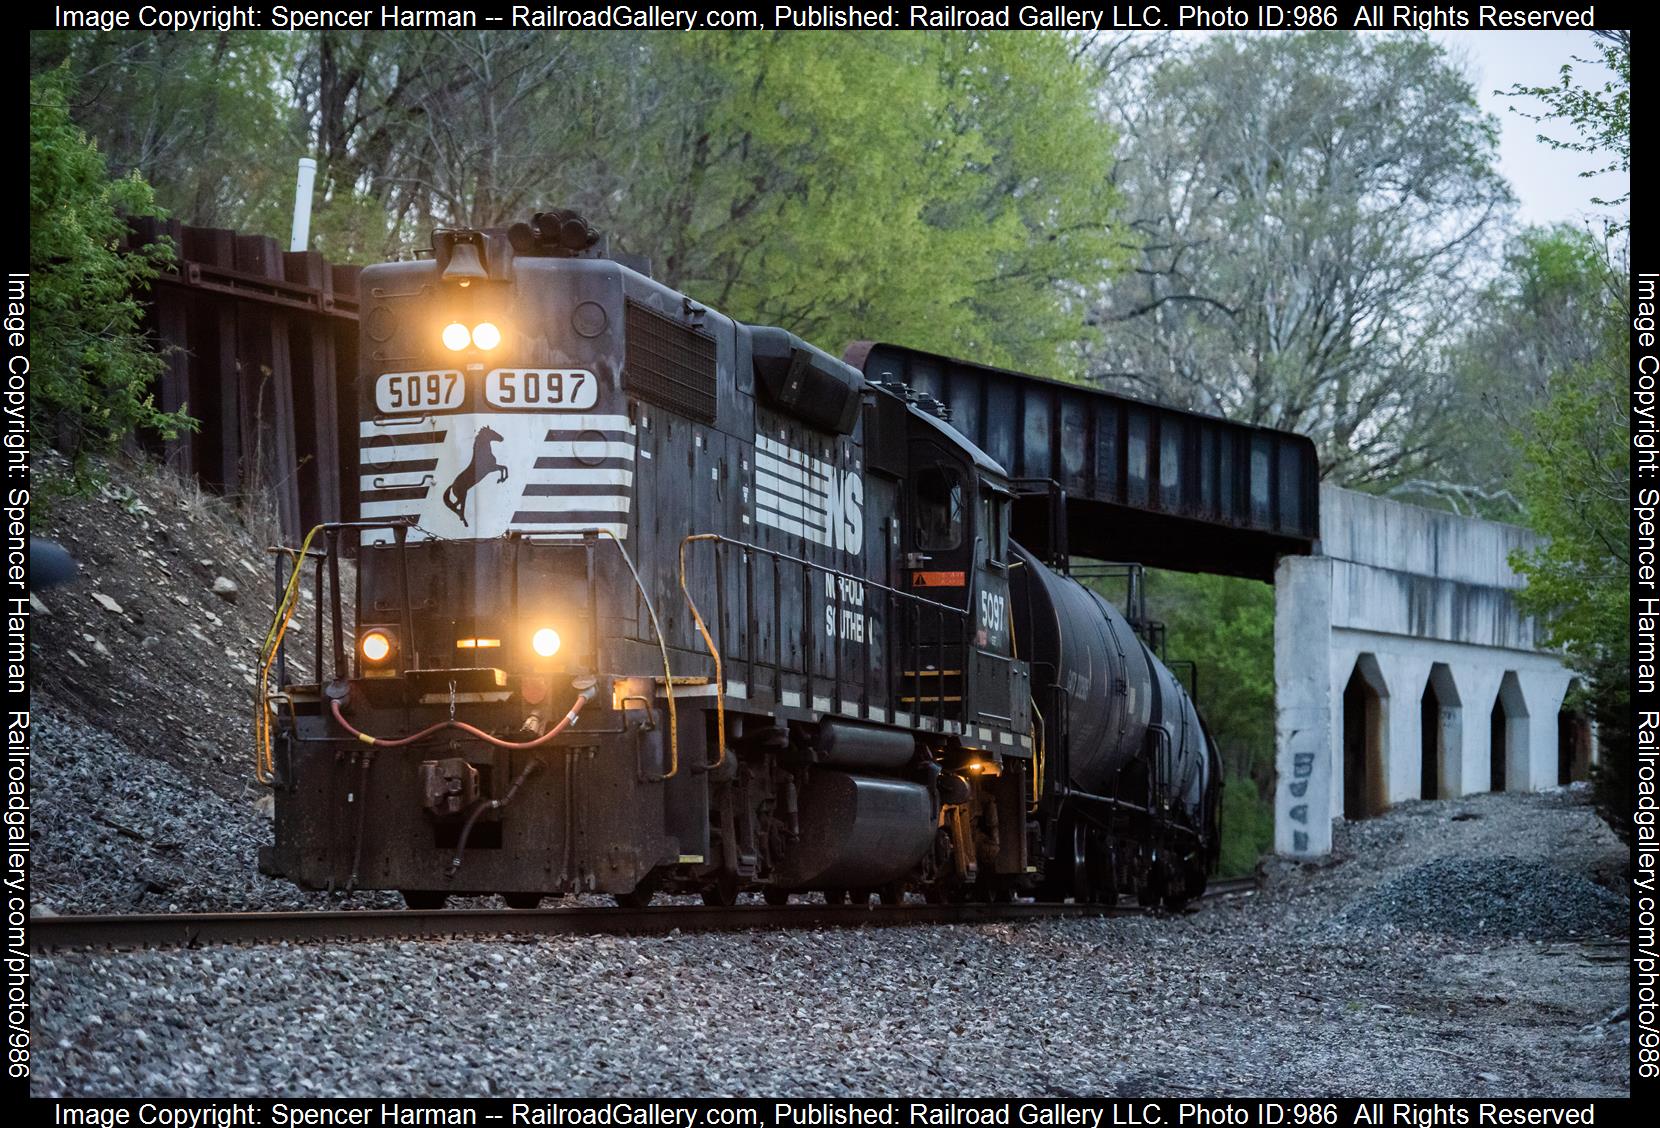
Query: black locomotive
(649, 599)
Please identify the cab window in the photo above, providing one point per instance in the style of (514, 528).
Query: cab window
(939, 508)
(994, 519)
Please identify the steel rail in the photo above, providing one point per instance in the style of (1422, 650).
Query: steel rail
(193, 930)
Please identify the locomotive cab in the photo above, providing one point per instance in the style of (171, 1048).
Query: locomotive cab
(956, 550)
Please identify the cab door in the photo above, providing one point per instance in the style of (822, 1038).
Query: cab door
(938, 567)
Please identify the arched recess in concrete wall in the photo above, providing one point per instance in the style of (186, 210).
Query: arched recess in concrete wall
(1441, 733)
(1365, 736)
(1507, 738)
(1573, 738)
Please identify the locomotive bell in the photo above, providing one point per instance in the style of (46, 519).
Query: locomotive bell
(462, 257)
(465, 266)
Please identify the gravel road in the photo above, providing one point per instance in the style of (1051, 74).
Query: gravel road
(1342, 979)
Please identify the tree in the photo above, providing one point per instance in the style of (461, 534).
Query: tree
(944, 189)
(1575, 482)
(91, 369)
(1575, 487)
(1309, 214)
(1546, 313)
(941, 189)
(203, 117)
(1601, 118)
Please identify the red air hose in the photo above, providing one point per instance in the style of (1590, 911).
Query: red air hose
(377, 742)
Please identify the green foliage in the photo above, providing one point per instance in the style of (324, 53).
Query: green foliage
(1576, 488)
(1247, 828)
(91, 370)
(1601, 118)
(1547, 312)
(203, 118)
(943, 189)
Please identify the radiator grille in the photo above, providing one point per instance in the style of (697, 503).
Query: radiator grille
(668, 363)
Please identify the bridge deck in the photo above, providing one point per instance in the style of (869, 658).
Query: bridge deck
(1168, 488)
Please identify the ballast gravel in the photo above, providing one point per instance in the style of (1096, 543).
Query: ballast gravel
(1519, 897)
(1290, 992)
(115, 831)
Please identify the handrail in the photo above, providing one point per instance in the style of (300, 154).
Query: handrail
(663, 648)
(916, 603)
(287, 602)
(703, 629)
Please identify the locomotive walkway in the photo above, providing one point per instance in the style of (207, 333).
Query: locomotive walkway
(199, 929)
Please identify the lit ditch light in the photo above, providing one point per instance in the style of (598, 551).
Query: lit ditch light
(545, 642)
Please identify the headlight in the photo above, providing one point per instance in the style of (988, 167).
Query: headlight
(375, 645)
(545, 642)
(455, 336)
(486, 336)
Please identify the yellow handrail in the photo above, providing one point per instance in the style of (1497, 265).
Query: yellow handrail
(663, 648)
(702, 629)
(264, 770)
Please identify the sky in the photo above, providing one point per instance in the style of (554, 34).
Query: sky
(1546, 181)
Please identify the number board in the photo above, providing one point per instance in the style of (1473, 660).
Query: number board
(541, 389)
(419, 391)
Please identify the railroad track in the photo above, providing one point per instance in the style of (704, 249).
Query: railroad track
(149, 930)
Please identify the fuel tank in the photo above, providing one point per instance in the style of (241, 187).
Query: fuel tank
(858, 831)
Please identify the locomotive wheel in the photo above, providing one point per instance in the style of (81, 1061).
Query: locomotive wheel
(640, 896)
(835, 896)
(1103, 875)
(1083, 890)
(1192, 887)
(423, 900)
(522, 900)
(723, 893)
(1152, 890)
(893, 893)
(775, 896)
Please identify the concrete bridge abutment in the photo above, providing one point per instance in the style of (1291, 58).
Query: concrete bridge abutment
(1405, 670)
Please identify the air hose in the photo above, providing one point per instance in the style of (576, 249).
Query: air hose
(380, 742)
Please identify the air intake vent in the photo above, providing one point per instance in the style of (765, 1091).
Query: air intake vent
(669, 364)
